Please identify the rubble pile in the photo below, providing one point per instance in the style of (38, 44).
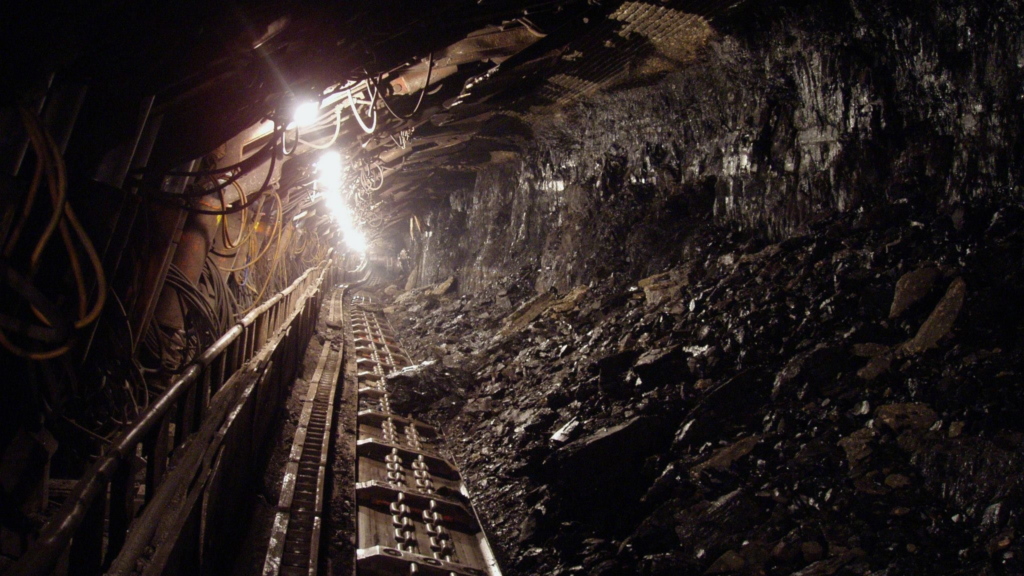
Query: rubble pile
(846, 401)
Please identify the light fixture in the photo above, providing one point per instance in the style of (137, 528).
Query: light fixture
(306, 113)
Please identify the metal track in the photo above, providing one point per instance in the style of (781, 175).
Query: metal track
(414, 513)
(295, 536)
(334, 311)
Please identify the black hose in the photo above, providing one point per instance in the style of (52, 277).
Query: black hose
(252, 199)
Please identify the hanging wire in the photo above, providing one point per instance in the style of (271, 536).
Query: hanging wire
(50, 163)
(373, 110)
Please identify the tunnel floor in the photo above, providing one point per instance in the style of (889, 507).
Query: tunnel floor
(340, 554)
(397, 468)
(837, 403)
(841, 402)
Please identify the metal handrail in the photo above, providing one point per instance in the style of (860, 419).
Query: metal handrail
(43, 555)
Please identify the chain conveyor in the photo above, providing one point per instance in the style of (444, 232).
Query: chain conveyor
(414, 513)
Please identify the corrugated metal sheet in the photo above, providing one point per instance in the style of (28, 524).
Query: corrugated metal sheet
(640, 41)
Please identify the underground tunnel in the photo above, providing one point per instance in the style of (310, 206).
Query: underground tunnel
(506, 287)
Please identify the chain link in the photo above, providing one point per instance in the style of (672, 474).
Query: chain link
(396, 474)
(404, 528)
(412, 436)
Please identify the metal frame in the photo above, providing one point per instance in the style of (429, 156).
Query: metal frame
(199, 405)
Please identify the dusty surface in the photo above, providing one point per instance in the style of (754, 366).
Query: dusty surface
(339, 521)
(754, 410)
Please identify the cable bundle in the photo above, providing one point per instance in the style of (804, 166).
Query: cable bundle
(42, 330)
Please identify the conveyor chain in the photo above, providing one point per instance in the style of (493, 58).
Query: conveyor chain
(415, 515)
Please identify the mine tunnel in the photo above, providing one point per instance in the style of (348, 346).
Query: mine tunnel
(506, 287)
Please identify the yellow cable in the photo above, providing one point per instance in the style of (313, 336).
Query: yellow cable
(49, 355)
(49, 160)
(305, 244)
(30, 201)
(58, 199)
(97, 264)
(277, 256)
(245, 215)
(83, 238)
(226, 234)
(57, 182)
(47, 155)
(266, 247)
(248, 238)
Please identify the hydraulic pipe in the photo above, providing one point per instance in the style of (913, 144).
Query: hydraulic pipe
(190, 256)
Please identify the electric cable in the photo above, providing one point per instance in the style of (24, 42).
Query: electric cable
(277, 227)
(50, 162)
(337, 132)
(226, 235)
(251, 163)
(252, 200)
(48, 157)
(370, 186)
(248, 233)
(243, 167)
(284, 141)
(29, 203)
(372, 106)
(270, 275)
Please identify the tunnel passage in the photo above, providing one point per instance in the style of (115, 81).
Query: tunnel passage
(708, 287)
(411, 512)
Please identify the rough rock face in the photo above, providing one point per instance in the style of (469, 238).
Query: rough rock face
(798, 110)
(733, 426)
(768, 307)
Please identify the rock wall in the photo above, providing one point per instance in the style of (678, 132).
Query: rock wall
(845, 402)
(799, 110)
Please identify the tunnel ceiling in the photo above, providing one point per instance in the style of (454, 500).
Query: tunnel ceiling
(497, 69)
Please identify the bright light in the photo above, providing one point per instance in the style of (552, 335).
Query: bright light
(355, 240)
(334, 203)
(306, 114)
(328, 170)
